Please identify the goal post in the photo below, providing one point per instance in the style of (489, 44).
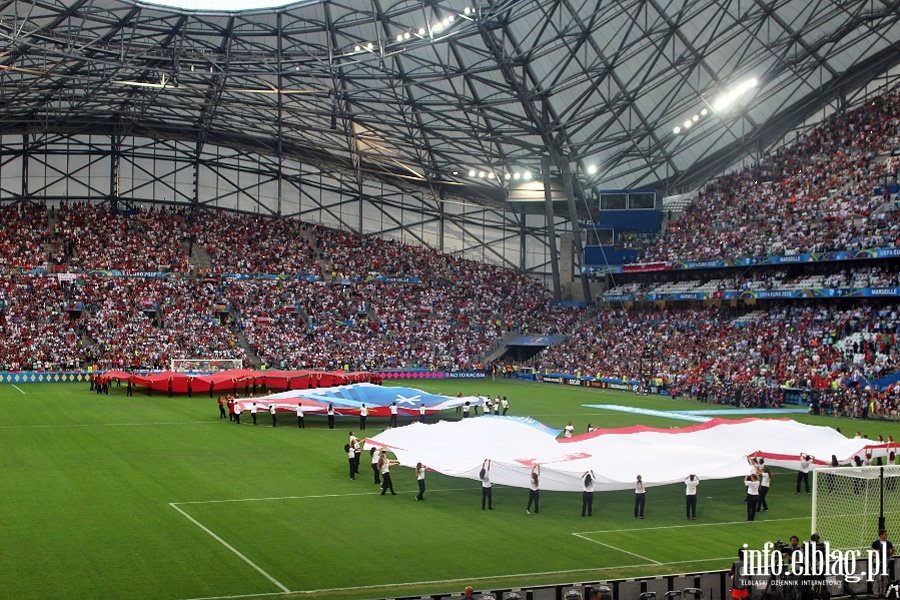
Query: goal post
(205, 365)
(850, 504)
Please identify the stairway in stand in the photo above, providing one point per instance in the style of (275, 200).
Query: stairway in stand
(251, 357)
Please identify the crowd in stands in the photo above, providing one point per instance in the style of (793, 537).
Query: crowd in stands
(135, 323)
(94, 237)
(433, 310)
(383, 304)
(815, 196)
(244, 243)
(860, 403)
(51, 323)
(36, 330)
(22, 236)
(367, 324)
(793, 345)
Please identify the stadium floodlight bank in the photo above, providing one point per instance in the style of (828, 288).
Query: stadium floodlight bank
(205, 365)
(850, 504)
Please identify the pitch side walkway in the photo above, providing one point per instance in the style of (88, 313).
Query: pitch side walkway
(699, 416)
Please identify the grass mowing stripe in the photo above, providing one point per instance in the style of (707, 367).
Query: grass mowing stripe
(430, 491)
(236, 597)
(692, 525)
(69, 425)
(91, 492)
(233, 549)
(497, 577)
(650, 560)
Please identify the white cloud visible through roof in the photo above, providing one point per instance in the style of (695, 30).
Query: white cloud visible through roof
(221, 5)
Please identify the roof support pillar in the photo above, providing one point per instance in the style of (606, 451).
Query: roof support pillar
(551, 226)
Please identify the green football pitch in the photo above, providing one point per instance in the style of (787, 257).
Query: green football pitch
(155, 497)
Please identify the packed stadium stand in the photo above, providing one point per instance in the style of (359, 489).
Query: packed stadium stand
(436, 311)
(689, 198)
(355, 301)
(815, 195)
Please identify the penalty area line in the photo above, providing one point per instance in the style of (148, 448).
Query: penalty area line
(237, 553)
(21, 391)
(685, 526)
(499, 577)
(650, 560)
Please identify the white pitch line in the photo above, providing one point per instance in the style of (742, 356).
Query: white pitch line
(692, 525)
(655, 562)
(236, 597)
(233, 549)
(465, 579)
(20, 389)
(430, 491)
(495, 577)
(651, 563)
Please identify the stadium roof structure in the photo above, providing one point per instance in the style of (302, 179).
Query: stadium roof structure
(443, 99)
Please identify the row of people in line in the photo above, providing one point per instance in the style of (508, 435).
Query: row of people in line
(381, 465)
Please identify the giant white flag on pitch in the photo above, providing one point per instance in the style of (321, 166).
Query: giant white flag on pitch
(717, 449)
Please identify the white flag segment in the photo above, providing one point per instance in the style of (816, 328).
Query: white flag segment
(283, 401)
(714, 450)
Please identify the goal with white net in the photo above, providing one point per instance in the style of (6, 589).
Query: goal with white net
(850, 504)
(205, 365)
